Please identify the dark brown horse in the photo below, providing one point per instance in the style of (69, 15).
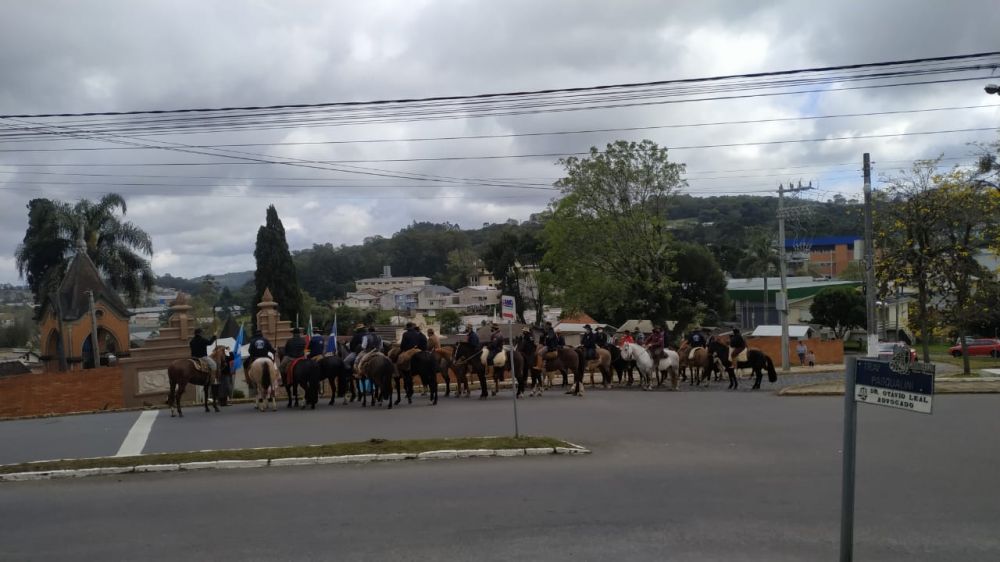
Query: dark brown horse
(565, 360)
(182, 372)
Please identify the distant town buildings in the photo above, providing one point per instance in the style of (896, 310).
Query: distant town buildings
(386, 282)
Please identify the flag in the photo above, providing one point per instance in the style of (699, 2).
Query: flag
(309, 329)
(331, 342)
(237, 354)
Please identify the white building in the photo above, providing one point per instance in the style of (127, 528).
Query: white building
(386, 282)
(361, 300)
(478, 295)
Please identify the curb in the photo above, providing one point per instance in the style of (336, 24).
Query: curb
(294, 461)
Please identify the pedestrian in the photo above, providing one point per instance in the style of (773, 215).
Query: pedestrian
(801, 351)
(810, 358)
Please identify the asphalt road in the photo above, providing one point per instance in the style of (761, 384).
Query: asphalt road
(674, 476)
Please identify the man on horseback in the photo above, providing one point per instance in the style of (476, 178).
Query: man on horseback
(315, 346)
(199, 350)
(433, 342)
(295, 347)
(495, 345)
(354, 346)
(589, 342)
(737, 345)
(654, 344)
(695, 339)
(601, 337)
(472, 337)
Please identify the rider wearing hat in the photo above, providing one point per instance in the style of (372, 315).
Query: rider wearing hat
(295, 347)
(736, 344)
(495, 344)
(199, 349)
(601, 337)
(589, 342)
(654, 343)
(258, 347)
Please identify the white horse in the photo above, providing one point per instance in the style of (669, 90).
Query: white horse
(263, 375)
(669, 364)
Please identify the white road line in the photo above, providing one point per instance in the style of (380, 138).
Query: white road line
(135, 441)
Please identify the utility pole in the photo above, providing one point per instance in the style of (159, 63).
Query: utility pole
(870, 261)
(781, 303)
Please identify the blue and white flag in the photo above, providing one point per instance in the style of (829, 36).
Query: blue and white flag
(237, 354)
(331, 342)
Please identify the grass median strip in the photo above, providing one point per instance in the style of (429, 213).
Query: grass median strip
(372, 446)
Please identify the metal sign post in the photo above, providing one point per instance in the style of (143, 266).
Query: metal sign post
(847, 486)
(507, 312)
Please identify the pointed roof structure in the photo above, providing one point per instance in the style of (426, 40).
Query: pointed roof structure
(82, 277)
(230, 329)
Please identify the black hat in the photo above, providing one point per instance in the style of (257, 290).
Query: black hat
(296, 331)
(257, 332)
(197, 331)
(586, 326)
(494, 327)
(409, 325)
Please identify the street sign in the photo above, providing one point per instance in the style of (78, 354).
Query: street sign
(895, 384)
(507, 308)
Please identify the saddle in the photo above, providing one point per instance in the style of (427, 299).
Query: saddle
(359, 364)
(403, 359)
(201, 365)
(499, 360)
(290, 373)
(741, 358)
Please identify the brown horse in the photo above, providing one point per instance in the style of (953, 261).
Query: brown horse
(700, 365)
(184, 371)
(601, 363)
(564, 360)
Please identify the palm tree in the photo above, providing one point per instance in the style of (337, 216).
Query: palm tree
(759, 258)
(115, 246)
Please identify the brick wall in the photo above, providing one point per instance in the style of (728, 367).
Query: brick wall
(827, 352)
(60, 393)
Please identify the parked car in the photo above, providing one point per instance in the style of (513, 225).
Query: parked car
(984, 346)
(886, 349)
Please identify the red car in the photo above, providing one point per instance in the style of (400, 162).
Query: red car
(988, 346)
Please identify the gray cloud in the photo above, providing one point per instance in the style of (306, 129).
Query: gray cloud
(65, 56)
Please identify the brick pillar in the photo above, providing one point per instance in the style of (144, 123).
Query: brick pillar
(180, 317)
(267, 316)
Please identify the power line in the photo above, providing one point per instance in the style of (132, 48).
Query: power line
(523, 93)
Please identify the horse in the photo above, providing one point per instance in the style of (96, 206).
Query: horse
(450, 363)
(756, 360)
(650, 369)
(425, 365)
(620, 365)
(700, 364)
(601, 362)
(719, 356)
(304, 373)
(445, 357)
(528, 349)
(262, 374)
(379, 371)
(565, 360)
(333, 369)
(467, 358)
(184, 371)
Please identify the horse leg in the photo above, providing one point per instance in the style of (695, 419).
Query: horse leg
(181, 386)
(484, 387)
(170, 398)
(408, 385)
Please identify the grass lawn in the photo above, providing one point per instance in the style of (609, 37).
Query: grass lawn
(331, 450)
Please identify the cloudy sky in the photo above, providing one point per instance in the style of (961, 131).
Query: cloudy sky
(203, 209)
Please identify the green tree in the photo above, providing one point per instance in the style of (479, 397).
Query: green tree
(116, 247)
(840, 308)
(505, 258)
(462, 263)
(275, 269)
(449, 320)
(608, 233)
(701, 286)
(760, 259)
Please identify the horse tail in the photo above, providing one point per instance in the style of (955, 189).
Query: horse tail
(265, 376)
(772, 375)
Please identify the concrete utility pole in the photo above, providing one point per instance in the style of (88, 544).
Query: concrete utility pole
(870, 261)
(781, 303)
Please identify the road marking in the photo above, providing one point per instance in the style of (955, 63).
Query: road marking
(135, 441)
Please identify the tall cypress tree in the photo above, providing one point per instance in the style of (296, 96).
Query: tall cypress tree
(275, 269)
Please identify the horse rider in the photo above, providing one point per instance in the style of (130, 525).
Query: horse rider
(527, 338)
(638, 336)
(601, 337)
(423, 343)
(495, 344)
(737, 345)
(354, 346)
(199, 350)
(472, 337)
(626, 339)
(654, 343)
(412, 340)
(589, 342)
(258, 346)
(560, 339)
(433, 341)
(695, 339)
(370, 343)
(295, 347)
(315, 346)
